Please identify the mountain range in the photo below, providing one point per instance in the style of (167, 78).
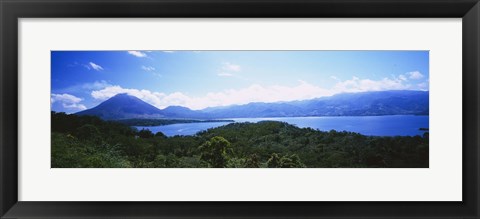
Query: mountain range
(374, 103)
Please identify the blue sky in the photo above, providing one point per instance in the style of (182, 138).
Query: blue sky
(199, 79)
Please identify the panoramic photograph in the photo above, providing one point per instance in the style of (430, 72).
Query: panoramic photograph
(239, 109)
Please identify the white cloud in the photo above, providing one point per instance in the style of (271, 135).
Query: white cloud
(415, 75)
(360, 85)
(148, 68)
(151, 70)
(334, 78)
(95, 85)
(74, 64)
(423, 85)
(65, 98)
(226, 66)
(224, 74)
(137, 54)
(95, 66)
(74, 106)
(68, 101)
(168, 51)
(227, 69)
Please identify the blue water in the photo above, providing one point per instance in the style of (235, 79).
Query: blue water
(182, 128)
(402, 125)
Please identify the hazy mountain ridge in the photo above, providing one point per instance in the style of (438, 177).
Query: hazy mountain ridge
(375, 103)
(183, 112)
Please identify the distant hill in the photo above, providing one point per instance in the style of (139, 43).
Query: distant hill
(375, 103)
(123, 106)
(347, 104)
(183, 112)
(397, 102)
(257, 110)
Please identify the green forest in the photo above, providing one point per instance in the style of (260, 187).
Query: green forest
(89, 142)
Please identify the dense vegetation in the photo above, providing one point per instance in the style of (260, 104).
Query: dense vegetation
(87, 141)
(159, 122)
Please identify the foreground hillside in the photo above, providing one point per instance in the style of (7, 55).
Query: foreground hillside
(87, 141)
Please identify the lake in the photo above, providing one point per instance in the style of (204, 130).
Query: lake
(402, 125)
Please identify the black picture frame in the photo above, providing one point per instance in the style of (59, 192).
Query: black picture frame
(12, 10)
